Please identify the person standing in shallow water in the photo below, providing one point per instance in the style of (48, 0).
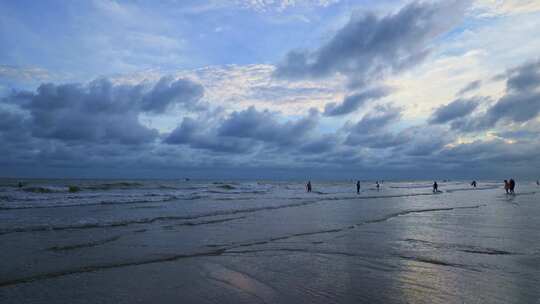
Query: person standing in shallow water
(506, 186)
(357, 187)
(435, 187)
(377, 185)
(512, 185)
(308, 186)
(473, 183)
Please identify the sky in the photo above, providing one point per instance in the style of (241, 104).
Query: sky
(270, 89)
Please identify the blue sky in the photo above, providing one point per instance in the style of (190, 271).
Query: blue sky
(270, 88)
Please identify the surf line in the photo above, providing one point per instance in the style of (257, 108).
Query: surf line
(215, 252)
(45, 228)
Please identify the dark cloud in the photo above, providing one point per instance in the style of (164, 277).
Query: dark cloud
(371, 130)
(425, 140)
(10, 121)
(515, 107)
(470, 87)
(325, 143)
(520, 134)
(353, 102)
(489, 153)
(94, 127)
(377, 119)
(369, 47)
(168, 91)
(382, 140)
(521, 102)
(524, 78)
(196, 134)
(263, 126)
(243, 131)
(100, 112)
(456, 109)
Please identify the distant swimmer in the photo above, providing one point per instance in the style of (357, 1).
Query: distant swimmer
(20, 184)
(377, 185)
(512, 185)
(473, 183)
(506, 186)
(308, 186)
(435, 187)
(357, 187)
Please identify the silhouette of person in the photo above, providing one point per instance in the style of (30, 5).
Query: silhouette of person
(506, 186)
(435, 187)
(512, 185)
(473, 183)
(377, 185)
(308, 186)
(20, 184)
(357, 187)
(538, 182)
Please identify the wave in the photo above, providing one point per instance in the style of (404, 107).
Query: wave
(116, 185)
(44, 189)
(80, 187)
(79, 196)
(324, 197)
(405, 212)
(462, 247)
(472, 189)
(199, 223)
(181, 188)
(343, 228)
(102, 203)
(234, 198)
(107, 203)
(100, 267)
(361, 197)
(216, 213)
(226, 187)
(412, 187)
(237, 192)
(148, 220)
(84, 245)
(433, 261)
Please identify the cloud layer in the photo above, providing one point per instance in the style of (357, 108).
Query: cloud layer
(370, 47)
(101, 111)
(332, 88)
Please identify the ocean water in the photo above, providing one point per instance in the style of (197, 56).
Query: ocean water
(137, 241)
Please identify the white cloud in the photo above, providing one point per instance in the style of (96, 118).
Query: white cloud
(281, 5)
(478, 53)
(24, 73)
(236, 87)
(490, 8)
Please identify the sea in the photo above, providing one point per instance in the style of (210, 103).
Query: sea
(219, 241)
